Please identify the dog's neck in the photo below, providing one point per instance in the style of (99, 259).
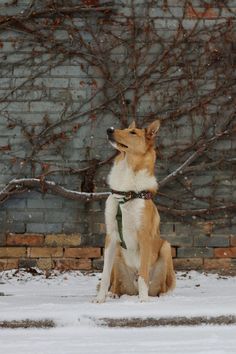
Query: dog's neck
(130, 173)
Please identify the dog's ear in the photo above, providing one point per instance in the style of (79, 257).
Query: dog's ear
(132, 125)
(152, 129)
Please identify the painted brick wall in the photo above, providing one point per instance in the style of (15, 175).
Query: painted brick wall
(51, 232)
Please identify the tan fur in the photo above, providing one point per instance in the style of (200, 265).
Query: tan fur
(154, 254)
(156, 260)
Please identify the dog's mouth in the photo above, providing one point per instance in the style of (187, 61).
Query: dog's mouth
(117, 144)
(122, 145)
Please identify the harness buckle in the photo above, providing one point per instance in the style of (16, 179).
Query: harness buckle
(128, 195)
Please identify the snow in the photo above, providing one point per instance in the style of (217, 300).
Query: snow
(67, 299)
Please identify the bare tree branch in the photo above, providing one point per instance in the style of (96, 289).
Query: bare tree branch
(18, 185)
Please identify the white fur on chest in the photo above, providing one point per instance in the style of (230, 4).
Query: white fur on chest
(123, 178)
(131, 220)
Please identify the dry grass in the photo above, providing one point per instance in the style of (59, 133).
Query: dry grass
(27, 324)
(170, 321)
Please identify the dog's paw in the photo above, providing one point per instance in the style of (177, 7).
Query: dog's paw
(99, 299)
(112, 295)
(143, 290)
(144, 298)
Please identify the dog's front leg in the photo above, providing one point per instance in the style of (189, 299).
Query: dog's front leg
(110, 247)
(109, 255)
(143, 279)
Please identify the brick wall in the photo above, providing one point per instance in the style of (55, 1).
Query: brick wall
(60, 251)
(49, 231)
(65, 251)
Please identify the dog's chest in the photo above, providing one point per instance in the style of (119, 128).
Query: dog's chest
(123, 178)
(131, 222)
(132, 212)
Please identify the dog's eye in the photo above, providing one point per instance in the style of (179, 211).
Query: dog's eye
(132, 132)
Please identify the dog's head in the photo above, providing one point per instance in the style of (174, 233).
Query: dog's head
(132, 139)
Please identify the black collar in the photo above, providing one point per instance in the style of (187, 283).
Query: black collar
(133, 195)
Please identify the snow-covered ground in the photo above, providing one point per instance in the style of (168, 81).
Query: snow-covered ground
(67, 300)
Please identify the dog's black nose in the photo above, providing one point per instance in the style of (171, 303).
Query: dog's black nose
(110, 131)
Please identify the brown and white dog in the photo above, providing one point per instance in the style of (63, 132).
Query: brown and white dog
(136, 260)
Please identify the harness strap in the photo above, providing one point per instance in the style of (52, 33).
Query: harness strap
(119, 225)
(133, 195)
(127, 197)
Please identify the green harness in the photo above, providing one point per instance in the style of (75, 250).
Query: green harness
(119, 224)
(127, 197)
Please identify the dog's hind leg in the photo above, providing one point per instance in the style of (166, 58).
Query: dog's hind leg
(144, 272)
(124, 279)
(162, 277)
